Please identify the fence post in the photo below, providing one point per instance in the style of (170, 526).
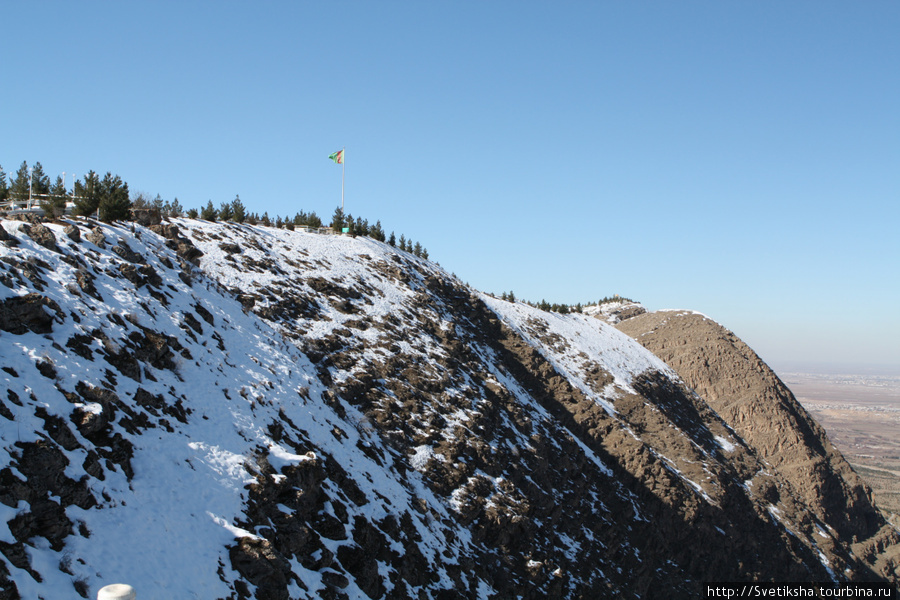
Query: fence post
(116, 591)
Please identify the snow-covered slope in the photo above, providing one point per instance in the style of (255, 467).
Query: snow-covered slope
(213, 410)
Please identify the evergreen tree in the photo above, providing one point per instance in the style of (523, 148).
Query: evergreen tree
(378, 232)
(158, 204)
(40, 182)
(175, 209)
(313, 220)
(19, 188)
(209, 212)
(55, 205)
(225, 212)
(4, 188)
(424, 253)
(238, 209)
(87, 195)
(193, 213)
(140, 200)
(114, 202)
(417, 249)
(403, 242)
(265, 220)
(392, 240)
(337, 220)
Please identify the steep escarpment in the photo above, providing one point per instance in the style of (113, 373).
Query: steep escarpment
(751, 398)
(270, 414)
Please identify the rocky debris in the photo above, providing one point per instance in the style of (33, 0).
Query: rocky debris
(146, 217)
(261, 565)
(8, 239)
(41, 234)
(73, 233)
(182, 246)
(85, 281)
(124, 251)
(19, 314)
(97, 237)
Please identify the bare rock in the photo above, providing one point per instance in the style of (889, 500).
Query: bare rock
(263, 566)
(125, 252)
(97, 238)
(146, 216)
(73, 232)
(41, 234)
(27, 313)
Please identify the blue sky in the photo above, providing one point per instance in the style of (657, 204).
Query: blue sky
(738, 158)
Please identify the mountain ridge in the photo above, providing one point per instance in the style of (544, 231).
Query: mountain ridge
(327, 416)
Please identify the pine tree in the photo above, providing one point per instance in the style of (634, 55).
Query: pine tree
(19, 187)
(337, 220)
(55, 205)
(140, 200)
(392, 240)
(403, 242)
(424, 253)
(175, 209)
(193, 213)
(4, 188)
(264, 220)
(40, 185)
(114, 202)
(279, 222)
(377, 232)
(158, 204)
(225, 212)
(237, 207)
(417, 249)
(209, 212)
(87, 195)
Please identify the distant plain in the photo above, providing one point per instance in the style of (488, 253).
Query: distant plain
(861, 414)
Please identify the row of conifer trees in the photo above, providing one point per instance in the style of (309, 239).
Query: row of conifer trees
(109, 199)
(562, 308)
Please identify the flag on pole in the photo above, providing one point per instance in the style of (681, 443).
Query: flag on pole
(338, 157)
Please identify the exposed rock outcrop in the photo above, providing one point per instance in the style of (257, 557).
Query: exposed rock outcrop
(750, 397)
(270, 414)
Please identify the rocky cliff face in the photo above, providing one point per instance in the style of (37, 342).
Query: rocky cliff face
(751, 399)
(224, 411)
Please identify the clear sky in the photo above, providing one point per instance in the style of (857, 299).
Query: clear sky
(739, 158)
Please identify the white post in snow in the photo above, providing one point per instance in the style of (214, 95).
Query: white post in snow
(116, 591)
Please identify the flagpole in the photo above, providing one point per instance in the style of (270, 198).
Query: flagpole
(343, 166)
